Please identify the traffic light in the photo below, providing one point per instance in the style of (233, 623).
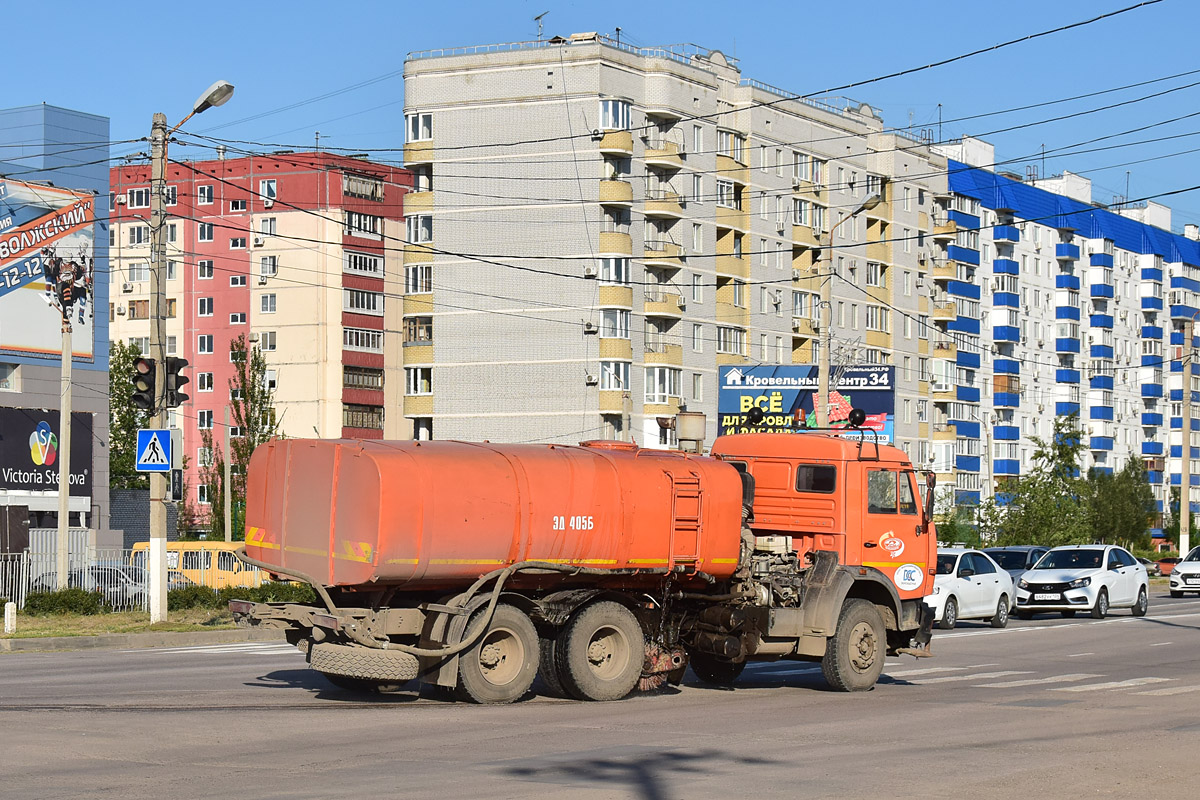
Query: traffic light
(143, 383)
(175, 380)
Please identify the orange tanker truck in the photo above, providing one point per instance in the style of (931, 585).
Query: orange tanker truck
(605, 567)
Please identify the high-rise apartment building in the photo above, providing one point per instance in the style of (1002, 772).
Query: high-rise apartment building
(298, 252)
(597, 228)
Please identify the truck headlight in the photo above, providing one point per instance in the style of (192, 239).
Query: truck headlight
(1079, 583)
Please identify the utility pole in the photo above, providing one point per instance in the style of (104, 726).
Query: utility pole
(228, 493)
(62, 545)
(158, 285)
(1185, 452)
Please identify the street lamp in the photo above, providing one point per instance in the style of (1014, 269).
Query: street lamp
(215, 95)
(827, 315)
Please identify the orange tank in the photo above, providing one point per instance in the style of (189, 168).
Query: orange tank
(438, 514)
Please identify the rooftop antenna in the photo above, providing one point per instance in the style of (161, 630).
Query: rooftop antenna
(538, 20)
(318, 138)
(618, 36)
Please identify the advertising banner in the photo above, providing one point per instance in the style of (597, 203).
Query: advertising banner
(29, 445)
(47, 268)
(787, 395)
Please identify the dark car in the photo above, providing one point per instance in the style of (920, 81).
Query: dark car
(1017, 558)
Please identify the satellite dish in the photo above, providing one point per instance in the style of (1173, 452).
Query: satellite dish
(857, 417)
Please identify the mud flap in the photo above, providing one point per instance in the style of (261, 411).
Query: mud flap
(923, 636)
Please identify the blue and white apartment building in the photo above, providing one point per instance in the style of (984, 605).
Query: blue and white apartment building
(1045, 304)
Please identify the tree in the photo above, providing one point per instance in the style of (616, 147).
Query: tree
(1171, 520)
(124, 419)
(956, 523)
(252, 412)
(1121, 506)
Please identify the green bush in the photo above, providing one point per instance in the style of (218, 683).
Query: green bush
(269, 593)
(65, 601)
(193, 597)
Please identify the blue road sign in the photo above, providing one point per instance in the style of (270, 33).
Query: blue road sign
(153, 450)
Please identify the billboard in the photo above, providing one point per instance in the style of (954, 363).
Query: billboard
(29, 445)
(787, 393)
(47, 267)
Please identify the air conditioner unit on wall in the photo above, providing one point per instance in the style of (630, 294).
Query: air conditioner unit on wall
(589, 272)
(262, 280)
(589, 327)
(258, 241)
(126, 287)
(268, 203)
(590, 380)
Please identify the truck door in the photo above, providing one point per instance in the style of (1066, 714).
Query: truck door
(891, 526)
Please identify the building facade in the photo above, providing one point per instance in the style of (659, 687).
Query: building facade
(53, 158)
(300, 253)
(598, 228)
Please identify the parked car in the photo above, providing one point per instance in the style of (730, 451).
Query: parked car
(1152, 567)
(1165, 565)
(1093, 578)
(969, 585)
(1186, 575)
(125, 587)
(1015, 559)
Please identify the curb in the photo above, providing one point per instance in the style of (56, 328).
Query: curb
(127, 641)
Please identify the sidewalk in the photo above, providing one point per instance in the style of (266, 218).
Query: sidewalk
(125, 641)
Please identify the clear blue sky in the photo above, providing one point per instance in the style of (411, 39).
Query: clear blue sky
(126, 60)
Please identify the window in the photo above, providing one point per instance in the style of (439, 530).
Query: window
(697, 288)
(266, 226)
(237, 280)
(876, 274)
(418, 330)
(731, 340)
(237, 318)
(614, 270)
(204, 419)
(697, 189)
(418, 228)
(204, 381)
(204, 195)
(361, 302)
(268, 266)
(237, 243)
(204, 307)
(726, 195)
(739, 293)
(204, 343)
(877, 319)
(662, 384)
(267, 303)
(271, 380)
(202, 494)
(362, 340)
(418, 279)
(138, 198)
(362, 378)
(8, 377)
(363, 263)
(614, 323)
(418, 380)
(267, 341)
(139, 309)
(237, 205)
(204, 456)
(817, 479)
(204, 269)
(362, 186)
(614, 376)
(139, 234)
(731, 144)
(881, 492)
(204, 231)
(418, 126)
(359, 416)
(697, 338)
(266, 189)
(614, 115)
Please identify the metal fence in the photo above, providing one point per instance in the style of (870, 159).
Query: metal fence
(121, 575)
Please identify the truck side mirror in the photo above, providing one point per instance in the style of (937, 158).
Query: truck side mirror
(930, 485)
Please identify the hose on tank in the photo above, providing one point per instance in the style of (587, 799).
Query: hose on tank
(290, 573)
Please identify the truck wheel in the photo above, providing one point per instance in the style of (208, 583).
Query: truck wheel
(548, 668)
(501, 665)
(714, 670)
(854, 655)
(949, 615)
(601, 652)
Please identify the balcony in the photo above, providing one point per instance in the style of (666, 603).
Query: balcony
(418, 153)
(662, 253)
(663, 203)
(804, 327)
(945, 348)
(616, 143)
(944, 432)
(660, 303)
(734, 218)
(1006, 233)
(731, 266)
(616, 193)
(945, 311)
(615, 239)
(944, 271)
(805, 236)
(1066, 252)
(944, 230)
(662, 154)
(418, 202)
(661, 351)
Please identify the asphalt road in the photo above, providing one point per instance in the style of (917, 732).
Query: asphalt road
(1046, 708)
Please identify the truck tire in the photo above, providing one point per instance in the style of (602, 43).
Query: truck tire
(854, 655)
(548, 668)
(501, 665)
(714, 670)
(363, 663)
(601, 652)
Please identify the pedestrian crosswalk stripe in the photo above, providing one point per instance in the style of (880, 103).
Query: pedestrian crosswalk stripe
(1171, 690)
(906, 673)
(231, 647)
(976, 676)
(1035, 681)
(1095, 687)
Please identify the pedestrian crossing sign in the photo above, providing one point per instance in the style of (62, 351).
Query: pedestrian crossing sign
(153, 450)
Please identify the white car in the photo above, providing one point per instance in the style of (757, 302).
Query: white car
(969, 585)
(1185, 577)
(1092, 578)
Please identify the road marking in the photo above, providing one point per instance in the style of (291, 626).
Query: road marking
(1096, 687)
(1081, 676)
(930, 670)
(234, 647)
(1079, 655)
(976, 676)
(1171, 690)
(1161, 644)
